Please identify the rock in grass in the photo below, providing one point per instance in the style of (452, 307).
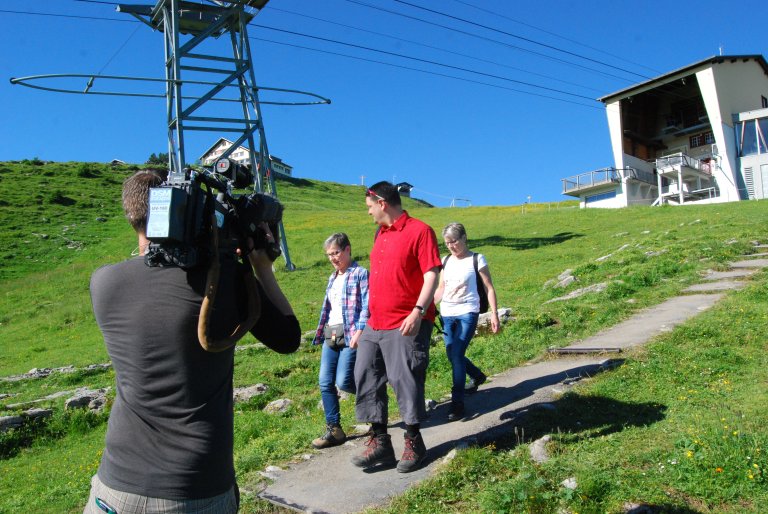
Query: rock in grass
(595, 288)
(16, 421)
(271, 472)
(93, 399)
(538, 450)
(278, 406)
(9, 422)
(637, 508)
(38, 413)
(451, 455)
(45, 372)
(243, 394)
(460, 445)
(484, 320)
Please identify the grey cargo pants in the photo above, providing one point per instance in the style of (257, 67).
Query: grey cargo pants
(388, 356)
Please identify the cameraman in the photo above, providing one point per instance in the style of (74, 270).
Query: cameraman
(169, 438)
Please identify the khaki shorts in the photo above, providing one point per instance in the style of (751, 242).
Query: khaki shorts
(106, 500)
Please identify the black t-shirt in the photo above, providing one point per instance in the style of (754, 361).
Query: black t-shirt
(170, 428)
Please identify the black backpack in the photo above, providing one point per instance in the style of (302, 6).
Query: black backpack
(478, 281)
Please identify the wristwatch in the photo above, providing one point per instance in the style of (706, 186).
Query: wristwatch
(421, 309)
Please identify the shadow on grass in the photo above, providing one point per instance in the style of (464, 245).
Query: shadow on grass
(524, 243)
(661, 509)
(575, 417)
(299, 182)
(525, 418)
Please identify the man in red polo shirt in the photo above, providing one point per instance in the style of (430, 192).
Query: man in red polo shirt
(394, 347)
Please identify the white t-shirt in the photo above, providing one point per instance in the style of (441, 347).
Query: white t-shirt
(460, 295)
(335, 296)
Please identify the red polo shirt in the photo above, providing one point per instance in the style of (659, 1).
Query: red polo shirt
(400, 256)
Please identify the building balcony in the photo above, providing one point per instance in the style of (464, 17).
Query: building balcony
(598, 179)
(675, 165)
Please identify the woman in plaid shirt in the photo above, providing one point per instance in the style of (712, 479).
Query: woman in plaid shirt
(342, 320)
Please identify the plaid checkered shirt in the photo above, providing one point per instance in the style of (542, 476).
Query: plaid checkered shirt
(354, 300)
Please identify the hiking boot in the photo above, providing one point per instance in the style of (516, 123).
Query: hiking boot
(457, 411)
(333, 436)
(474, 383)
(413, 454)
(379, 451)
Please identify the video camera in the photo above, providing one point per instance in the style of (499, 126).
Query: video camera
(180, 223)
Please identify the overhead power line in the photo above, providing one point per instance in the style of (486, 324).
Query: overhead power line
(522, 38)
(555, 34)
(58, 15)
(400, 66)
(458, 68)
(426, 61)
(419, 190)
(119, 50)
(97, 2)
(490, 40)
(417, 43)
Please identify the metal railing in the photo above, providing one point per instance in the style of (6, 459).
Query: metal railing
(605, 176)
(590, 179)
(672, 162)
(641, 175)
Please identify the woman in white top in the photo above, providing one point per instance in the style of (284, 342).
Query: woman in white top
(460, 308)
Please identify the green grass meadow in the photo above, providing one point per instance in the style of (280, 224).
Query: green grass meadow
(679, 426)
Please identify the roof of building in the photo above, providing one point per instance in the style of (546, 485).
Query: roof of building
(273, 157)
(716, 59)
(214, 145)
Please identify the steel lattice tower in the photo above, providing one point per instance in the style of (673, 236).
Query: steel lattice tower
(186, 25)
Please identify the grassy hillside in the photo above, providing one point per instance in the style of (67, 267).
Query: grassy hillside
(64, 221)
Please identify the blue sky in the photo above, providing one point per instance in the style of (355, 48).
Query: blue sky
(452, 138)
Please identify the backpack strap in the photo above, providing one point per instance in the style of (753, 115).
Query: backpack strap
(480, 287)
(445, 259)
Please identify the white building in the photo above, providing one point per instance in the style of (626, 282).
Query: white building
(693, 135)
(242, 156)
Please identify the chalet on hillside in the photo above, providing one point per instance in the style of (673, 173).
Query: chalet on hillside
(241, 155)
(694, 135)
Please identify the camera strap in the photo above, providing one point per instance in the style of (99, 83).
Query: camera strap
(211, 288)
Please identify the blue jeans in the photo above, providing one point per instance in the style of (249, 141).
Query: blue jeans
(337, 370)
(458, 333)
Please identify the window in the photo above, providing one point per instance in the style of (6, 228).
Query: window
(600, 197)
(705, 138)
(696, 140)
(762, 135)
(747, 138)
(764, 101)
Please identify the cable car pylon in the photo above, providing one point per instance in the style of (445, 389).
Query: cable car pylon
(184, 59)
